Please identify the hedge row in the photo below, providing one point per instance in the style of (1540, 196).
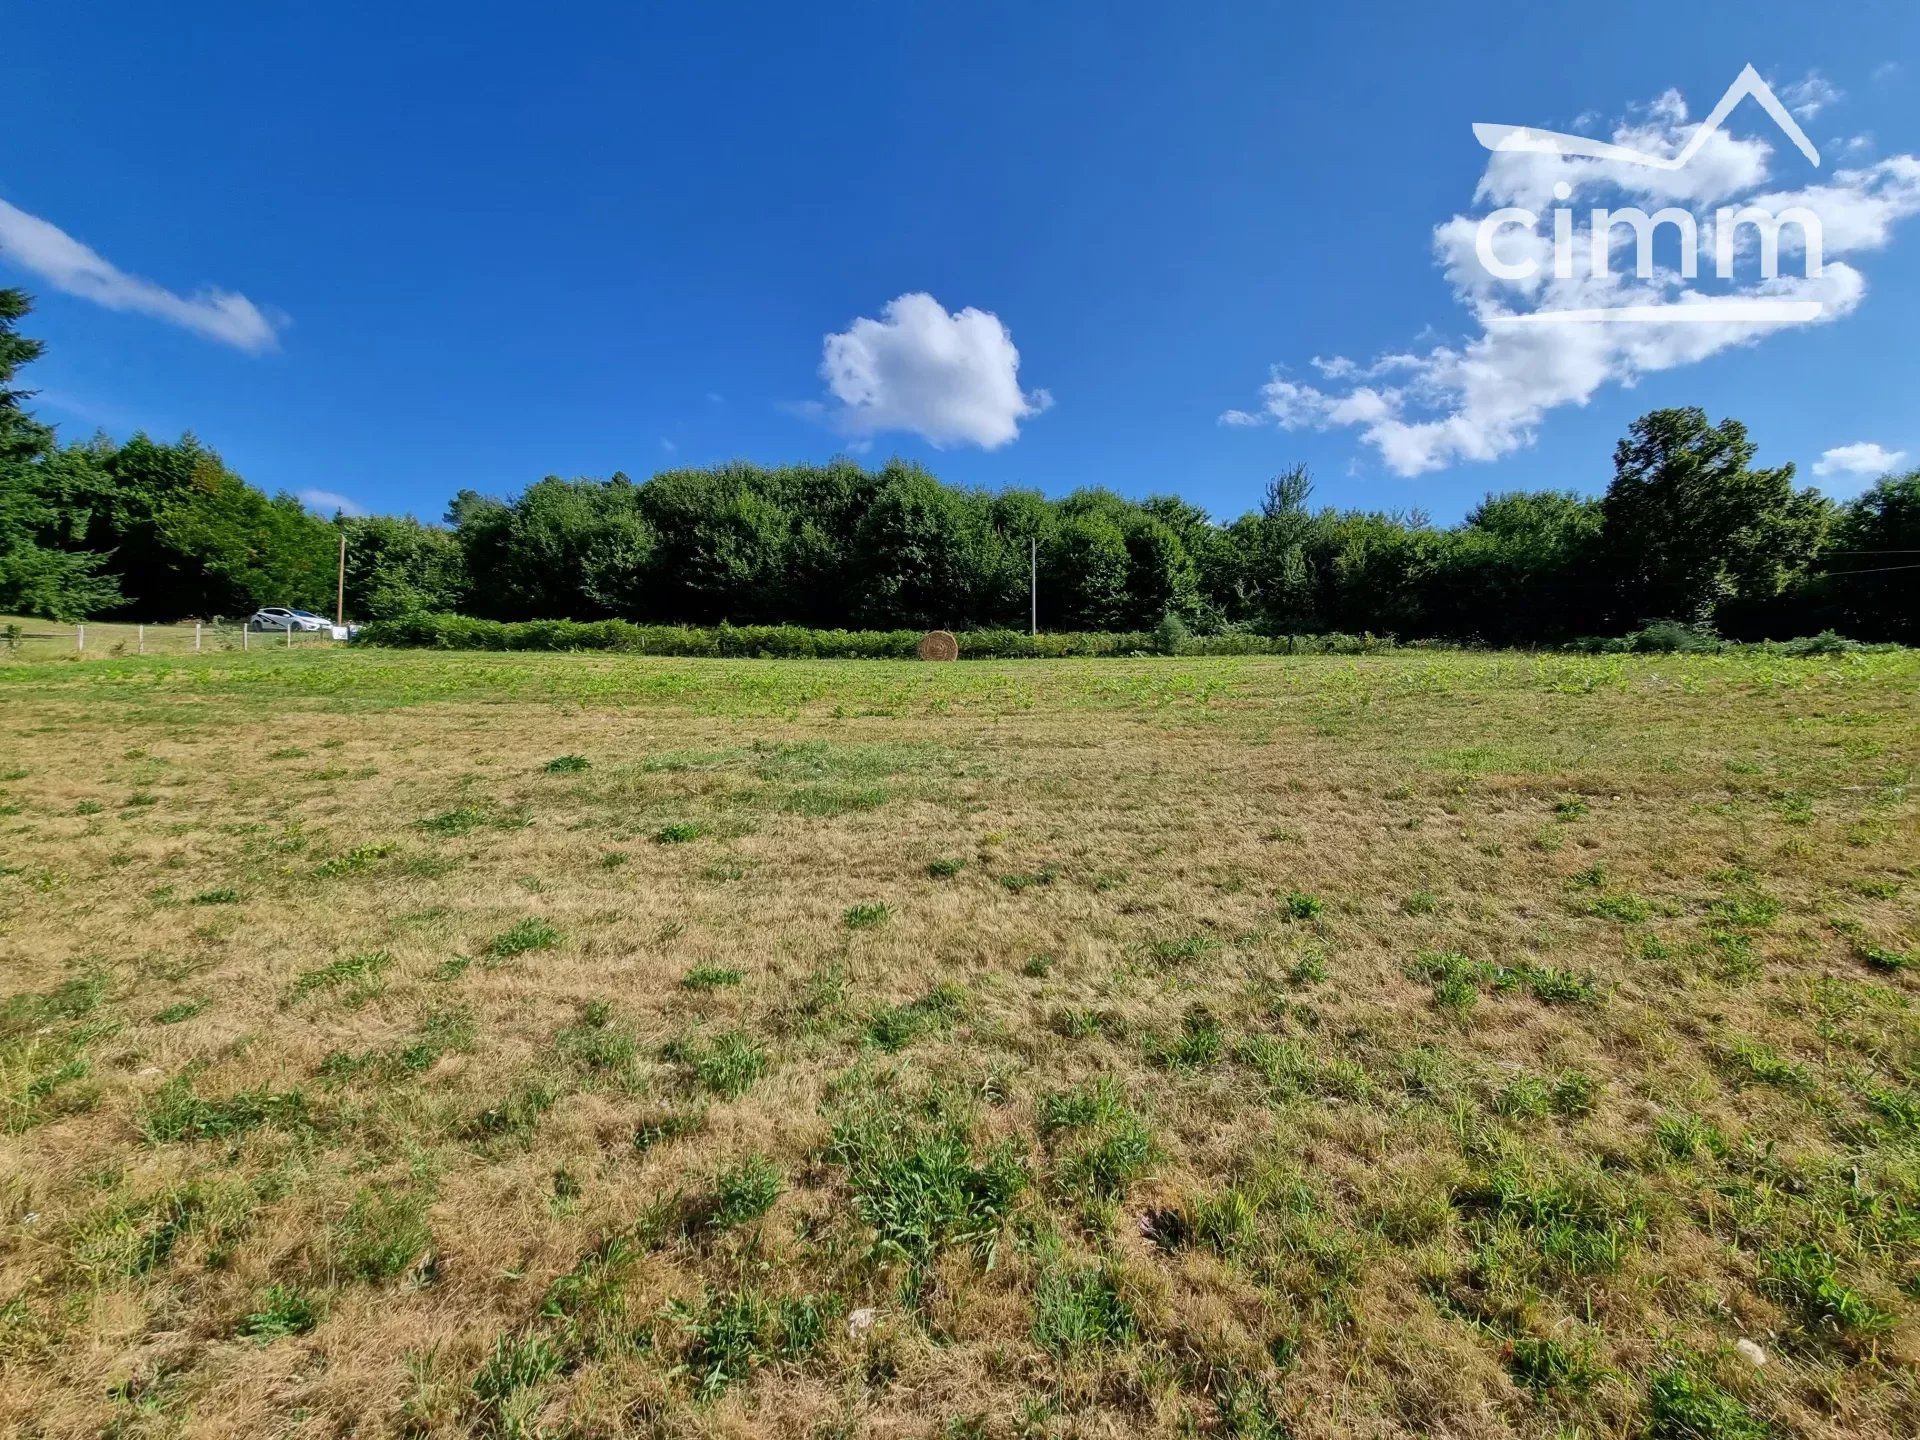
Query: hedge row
(459, 632)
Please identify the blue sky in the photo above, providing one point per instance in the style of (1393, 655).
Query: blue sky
(479, 243)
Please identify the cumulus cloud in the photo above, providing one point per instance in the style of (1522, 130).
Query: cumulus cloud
(44, 249)
(1486, 395)
(1863, 459)
(953, 379)
(326, 502)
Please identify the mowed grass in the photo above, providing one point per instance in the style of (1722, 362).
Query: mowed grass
(1424, 1044)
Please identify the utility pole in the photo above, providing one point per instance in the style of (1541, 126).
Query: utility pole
(1033, 585)
(340, 595)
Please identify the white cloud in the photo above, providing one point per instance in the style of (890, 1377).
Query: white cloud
(325, 502)
(1863, 458)
(43, 248)
(952, 379)
(1807, 98)
(1486, 396)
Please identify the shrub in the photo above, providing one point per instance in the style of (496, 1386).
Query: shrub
(786, 642)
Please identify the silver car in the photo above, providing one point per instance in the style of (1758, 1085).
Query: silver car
(281, 617)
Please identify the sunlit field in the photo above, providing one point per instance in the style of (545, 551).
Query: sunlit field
(1421, 1044)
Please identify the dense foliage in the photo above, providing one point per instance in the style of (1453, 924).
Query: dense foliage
(1688, 531)
(796, 642)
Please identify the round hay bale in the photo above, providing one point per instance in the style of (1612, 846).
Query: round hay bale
(939, 645)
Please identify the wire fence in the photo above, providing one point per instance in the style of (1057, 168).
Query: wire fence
(29, 639)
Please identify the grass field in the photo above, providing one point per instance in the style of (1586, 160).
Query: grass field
(1425, 1044)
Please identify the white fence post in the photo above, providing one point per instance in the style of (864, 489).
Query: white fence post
(139, 639)
(289, 635)
(196, 637)
(246, 633)
(79, 637)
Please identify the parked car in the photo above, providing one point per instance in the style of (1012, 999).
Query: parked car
(281, 617)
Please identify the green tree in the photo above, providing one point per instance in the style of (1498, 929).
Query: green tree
(41, 571)
(1690, 525)
(396, 566)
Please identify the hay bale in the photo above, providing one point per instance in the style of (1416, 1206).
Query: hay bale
(939, 645)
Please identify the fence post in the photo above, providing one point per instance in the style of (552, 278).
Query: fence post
(246, 633)
(196, 637)
(79, 637)
(139, 639)
(289, 635)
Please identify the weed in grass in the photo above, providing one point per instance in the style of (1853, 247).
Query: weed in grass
(1579, 1224)
(515, 1118)
(1290, 1068)
(1806, 1282)
(1225, 1222)
(1308, 968)
(1183, 951)
(678, 833)
(1200, 1042)
(711, 977)
(1548, 1367)
(595, 1044)
(223, 896)
(567, 765)
(284, 1310)
(1746, 1059)
(517, 1367)
(1100, 1143)
(1685, 1404)
(461, 821)
(356, 973)
(1627, 908)
(1570, 808)
(666, 1126)
(897, 1026)
(524, 938)
(1687, 1137)
(945, 868)
(1455, 979)
(1076, 1024)
(1037, 967)
(357, 861)
(442, 1032)
(727, 1064)
(177, 1112)
(1881, 958)
(740, 1193)
(920, 1185)
(1421, 902)
(1018, 883)
(1081, 1309)
(1899, 1108)
(1297, 906)
(866, 917)
(181, 1010)
(729, 1337)
(1751, 910)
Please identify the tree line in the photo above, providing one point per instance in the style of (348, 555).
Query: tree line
(1689, 529)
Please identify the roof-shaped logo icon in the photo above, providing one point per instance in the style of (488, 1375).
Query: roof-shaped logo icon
(1527, 139)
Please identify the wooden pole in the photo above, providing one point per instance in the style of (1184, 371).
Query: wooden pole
(340, 594)
(1033, 585)
(139, 639)
(196, 637)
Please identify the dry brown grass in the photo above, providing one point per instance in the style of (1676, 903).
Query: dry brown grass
(1664, 1099)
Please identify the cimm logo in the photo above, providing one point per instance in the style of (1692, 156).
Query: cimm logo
(1587, 251)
